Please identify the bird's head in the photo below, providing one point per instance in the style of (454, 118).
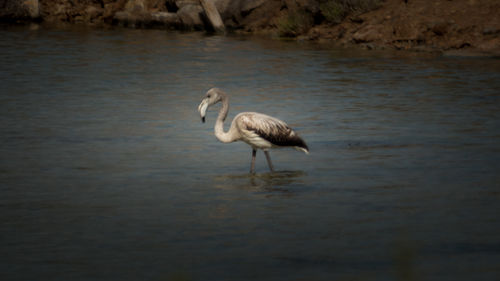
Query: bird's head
(212, 97)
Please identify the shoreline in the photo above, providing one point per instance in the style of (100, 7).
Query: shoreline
(465, 28)
(453, 28)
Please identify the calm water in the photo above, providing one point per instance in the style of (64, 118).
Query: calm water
(107, 173)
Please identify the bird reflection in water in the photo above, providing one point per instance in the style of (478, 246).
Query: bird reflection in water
(278, 181)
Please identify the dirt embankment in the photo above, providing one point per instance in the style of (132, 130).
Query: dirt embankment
(466, 26)
(471, 26)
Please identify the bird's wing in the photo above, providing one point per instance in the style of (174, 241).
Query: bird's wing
(271, 129)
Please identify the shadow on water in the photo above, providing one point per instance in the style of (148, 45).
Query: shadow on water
(280, 181)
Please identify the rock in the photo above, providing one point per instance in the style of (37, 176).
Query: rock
(233, 11)
(408, 31)
(60, 12)
(153, 6)
(135, 6)
(249, 5)
(147, 19)
(109, 11)
(213, 15)
(251, 15)
(182, 3)
(92, 13)
(79, 19)
(491, 30)
(356, 19)
(439, 28)
(222, 6)
(19, 10)
(368, 33)
(166, 19)
(456, 43)
(191, 17)
(490, 45)
(171, 6)
(311, 6)
(33, 8)
(123, 17)
(133, 13)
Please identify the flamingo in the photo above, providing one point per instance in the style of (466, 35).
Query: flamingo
(258, 130)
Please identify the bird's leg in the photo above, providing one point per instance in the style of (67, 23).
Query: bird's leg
(269, 160)
(252, 166)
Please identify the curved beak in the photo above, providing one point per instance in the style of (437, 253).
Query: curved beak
(202, 109)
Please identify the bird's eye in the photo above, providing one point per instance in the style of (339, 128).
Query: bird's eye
(208, 96)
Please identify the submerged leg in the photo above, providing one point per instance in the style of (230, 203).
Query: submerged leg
(269, 160)
(252, 166)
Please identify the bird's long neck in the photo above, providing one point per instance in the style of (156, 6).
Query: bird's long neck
(219, 124)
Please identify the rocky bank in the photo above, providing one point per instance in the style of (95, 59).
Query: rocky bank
(462, 26)
(454, 26)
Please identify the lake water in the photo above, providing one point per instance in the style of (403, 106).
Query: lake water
(107, 173)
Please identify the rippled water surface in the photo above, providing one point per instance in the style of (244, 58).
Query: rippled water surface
(107, 173)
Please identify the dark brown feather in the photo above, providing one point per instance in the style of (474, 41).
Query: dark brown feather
(280, 134)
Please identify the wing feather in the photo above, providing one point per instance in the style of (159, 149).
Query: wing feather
(271, 129)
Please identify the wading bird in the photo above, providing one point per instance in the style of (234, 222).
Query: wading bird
(258, 130)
